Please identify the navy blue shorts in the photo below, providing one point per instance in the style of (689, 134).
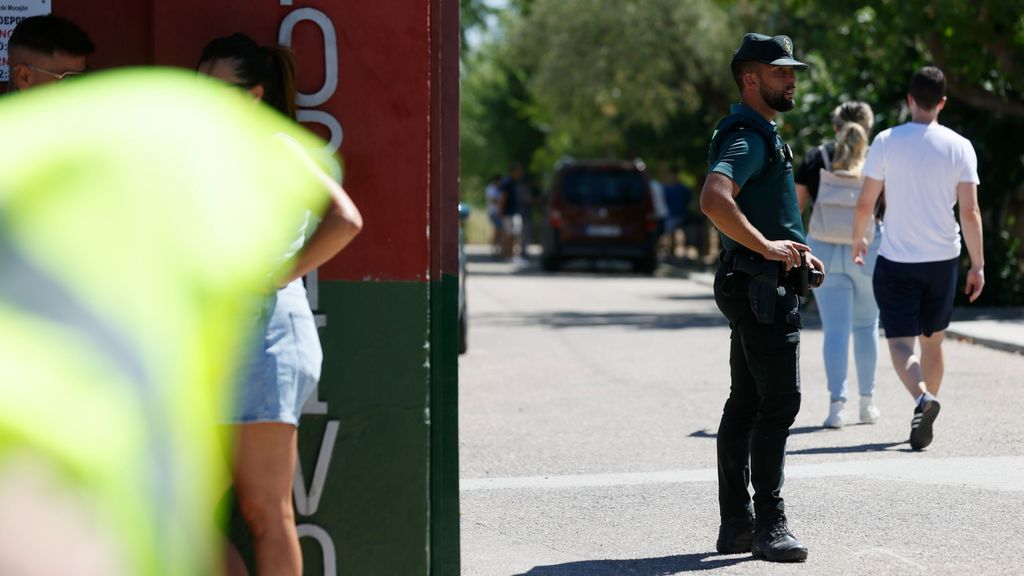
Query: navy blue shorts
(914, 298)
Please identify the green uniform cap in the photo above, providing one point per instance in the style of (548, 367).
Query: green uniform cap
(774, 50)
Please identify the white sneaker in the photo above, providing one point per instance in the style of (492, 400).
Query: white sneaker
(869, 413)
(835, 415)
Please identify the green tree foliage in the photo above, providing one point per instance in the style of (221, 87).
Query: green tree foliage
(607, 73)
(473, 15)
(498, 126)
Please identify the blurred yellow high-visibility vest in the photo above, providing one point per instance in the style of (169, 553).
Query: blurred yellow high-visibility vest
(141, 212)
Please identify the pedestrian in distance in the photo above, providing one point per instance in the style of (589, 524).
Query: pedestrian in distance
(492, 197)
(512, 188)
(657, 190)
(45, 49)
(830, 177)
(750, 196)
(677, 202)
(926, 169)
(284, 368)
(527, 199)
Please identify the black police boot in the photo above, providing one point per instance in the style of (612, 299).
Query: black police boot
(775, 543)
(735, 535)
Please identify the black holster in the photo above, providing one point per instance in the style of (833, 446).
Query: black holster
(763, 286)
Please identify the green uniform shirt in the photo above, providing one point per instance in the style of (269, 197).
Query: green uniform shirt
(767, 193)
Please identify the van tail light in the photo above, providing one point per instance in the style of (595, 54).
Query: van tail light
(651, 223)
(555, 219)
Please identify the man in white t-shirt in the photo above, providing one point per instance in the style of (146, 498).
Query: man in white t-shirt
(926, 169)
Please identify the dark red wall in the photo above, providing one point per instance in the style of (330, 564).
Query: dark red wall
(382, 100)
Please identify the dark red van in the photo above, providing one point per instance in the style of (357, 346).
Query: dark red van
(600, 209)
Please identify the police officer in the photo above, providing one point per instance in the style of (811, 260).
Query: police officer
(750, 196)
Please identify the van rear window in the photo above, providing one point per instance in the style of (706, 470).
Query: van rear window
(604, 187)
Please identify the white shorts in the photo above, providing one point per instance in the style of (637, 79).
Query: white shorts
(513, 224)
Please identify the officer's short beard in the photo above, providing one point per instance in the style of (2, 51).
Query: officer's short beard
(777, 100)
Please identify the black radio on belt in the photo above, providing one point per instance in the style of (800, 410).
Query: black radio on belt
(804, 277)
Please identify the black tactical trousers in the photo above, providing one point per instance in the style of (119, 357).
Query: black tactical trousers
(764, 399)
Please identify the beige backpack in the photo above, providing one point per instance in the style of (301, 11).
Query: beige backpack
(834, 208)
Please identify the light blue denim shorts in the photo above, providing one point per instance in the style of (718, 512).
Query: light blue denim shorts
(283, 366)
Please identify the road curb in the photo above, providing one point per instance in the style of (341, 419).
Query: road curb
(965, 335)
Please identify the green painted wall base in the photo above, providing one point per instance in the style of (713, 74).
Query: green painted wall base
(444, 428)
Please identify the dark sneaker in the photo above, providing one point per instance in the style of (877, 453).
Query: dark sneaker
(921, 425)
(775, 543)
(735, 535)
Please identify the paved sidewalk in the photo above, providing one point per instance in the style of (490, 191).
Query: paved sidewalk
(999, 328)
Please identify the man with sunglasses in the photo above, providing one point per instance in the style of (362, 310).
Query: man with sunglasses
(44, 49)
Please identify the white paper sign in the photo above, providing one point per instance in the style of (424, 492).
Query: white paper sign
(12, 12)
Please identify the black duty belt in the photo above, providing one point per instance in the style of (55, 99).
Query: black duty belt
(750, 263)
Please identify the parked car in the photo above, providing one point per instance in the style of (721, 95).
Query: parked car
(463, 319)
(600, 209)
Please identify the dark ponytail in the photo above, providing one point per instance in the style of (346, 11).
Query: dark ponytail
(272, 67)
(283, 66)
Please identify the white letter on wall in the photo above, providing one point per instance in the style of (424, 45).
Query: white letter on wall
(330, 52)
(326, 544)
(333, 126)
(306, 503)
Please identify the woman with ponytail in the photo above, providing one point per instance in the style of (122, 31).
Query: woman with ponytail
(284, 367)
(830, 176)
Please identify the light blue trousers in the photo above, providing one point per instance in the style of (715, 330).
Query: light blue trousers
(847, 306)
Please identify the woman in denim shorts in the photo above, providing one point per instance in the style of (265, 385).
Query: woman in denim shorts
(284, 367)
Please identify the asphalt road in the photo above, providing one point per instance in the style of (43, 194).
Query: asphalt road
(589, 402)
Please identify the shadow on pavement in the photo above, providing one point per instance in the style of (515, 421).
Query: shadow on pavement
(639, 320)
(806, 430)
(600, 267)
(705, 433)
(878, 447)
(708, 296)
(969, 313)
(641, 567)
(531, 268)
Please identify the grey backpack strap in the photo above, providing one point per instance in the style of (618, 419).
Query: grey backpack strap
(825, 158)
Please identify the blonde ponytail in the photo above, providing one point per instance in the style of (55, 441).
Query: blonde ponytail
(851, 148)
